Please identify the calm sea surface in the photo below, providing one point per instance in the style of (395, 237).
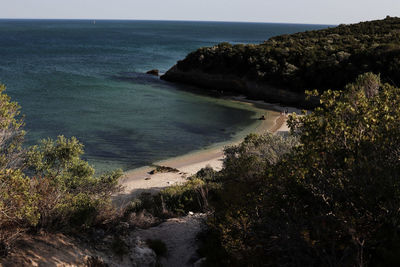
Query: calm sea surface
(82, 79)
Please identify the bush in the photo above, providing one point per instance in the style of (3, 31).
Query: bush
(184, 198)
(193, 195)
(17, 199)
(255, 154)
(207, 174)
(332, 200)
(70, 195)
(47, 186)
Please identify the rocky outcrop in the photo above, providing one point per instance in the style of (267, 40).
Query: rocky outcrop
(178, 234)
(237, 85)
(141, 255)
(154, 72)
(48, 250)
(59, 250)
(180, 237)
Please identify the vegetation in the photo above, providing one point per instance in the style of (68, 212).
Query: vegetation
(177, 200)
(47, 186)
(331, 198)
(329, 194)
(326, 195)
(322, 59)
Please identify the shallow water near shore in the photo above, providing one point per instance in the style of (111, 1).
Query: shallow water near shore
(87, 80)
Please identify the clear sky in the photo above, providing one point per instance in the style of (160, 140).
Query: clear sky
(292, 11)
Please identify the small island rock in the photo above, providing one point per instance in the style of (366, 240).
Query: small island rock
(153, 72)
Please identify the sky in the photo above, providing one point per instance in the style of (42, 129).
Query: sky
(290, 11)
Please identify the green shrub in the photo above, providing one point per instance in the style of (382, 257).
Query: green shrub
(70, 194)
(207, 174)
(134, 205)
(17, 199)
(331, 200)
(47, 186)
(190, 196)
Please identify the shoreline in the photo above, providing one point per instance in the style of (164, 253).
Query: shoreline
(139, 180)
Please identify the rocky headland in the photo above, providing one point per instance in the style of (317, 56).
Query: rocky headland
(282, 68)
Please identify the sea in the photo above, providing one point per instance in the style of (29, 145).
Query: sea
(86, 78)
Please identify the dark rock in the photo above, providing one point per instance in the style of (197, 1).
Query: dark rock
(98, 234)
(163, 169)
(153, 72)
(200, 262)
(122, 228)
(95, 261)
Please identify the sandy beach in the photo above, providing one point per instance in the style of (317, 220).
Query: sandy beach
(139, 180)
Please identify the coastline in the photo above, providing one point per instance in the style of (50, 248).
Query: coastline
(139, 180)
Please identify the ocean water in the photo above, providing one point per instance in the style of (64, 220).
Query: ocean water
(85, 79)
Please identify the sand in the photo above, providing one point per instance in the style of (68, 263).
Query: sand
(139, 180)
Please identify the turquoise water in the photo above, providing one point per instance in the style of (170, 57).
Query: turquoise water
(86, 80)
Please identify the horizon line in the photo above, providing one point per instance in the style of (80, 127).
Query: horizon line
(175, 20)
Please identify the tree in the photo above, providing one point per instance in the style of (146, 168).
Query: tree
(17, 201)
(67, 185)
(48, 185)
(11, 133)
(332, 200)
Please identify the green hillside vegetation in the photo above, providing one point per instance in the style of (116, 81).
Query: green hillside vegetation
(332, 200)
(326, 195)
(48, 186)
(321, 59)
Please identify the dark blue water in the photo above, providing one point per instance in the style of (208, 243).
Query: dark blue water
(86, 80)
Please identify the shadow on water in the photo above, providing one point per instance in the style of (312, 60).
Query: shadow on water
(138, 78)
(156, 81)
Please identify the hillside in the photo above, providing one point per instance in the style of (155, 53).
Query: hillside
(283, 67)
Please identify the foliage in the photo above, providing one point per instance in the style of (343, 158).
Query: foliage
(47, 186)
(11, 133)
(333, 200)
(175, 200)
(69, 191)
(328, 58)
(16, 197)
(180, 199)
(207, 174)
(242, 177)
(190, 196)
(17, 207)
(255, 153)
